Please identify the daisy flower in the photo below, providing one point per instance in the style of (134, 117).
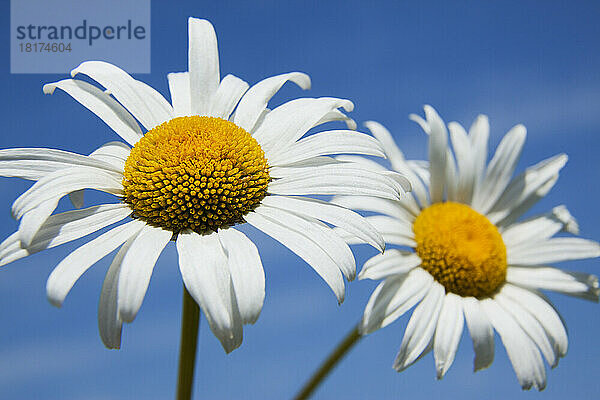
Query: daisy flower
(191, 173)
(470, 260)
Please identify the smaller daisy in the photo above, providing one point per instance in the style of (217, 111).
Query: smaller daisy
(214, 158)
(471, 261)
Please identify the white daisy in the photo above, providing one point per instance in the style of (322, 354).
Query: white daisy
(470, 260)
(198, 170)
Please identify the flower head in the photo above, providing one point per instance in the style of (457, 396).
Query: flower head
(195, 171)
(469, 259)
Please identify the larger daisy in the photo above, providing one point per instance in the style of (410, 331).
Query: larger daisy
(197, 171)
(470, 261)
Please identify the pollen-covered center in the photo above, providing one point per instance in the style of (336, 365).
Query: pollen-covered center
(198, 173)
(461, 249)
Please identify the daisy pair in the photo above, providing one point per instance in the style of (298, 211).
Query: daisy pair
(212, 158)
(471, 261)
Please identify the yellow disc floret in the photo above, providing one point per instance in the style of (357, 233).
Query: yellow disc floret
(198, 173)
(461, 249)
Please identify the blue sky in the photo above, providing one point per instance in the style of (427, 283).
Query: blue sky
(516, 61)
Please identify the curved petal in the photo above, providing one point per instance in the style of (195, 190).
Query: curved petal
(553, 250)
(522, 351)
(136, 269)
(479, 133)
(203, 266)
(393, 230)
(332, 214)
(394, 154)
(66, 273)
(227, 96)
(465, 162)
(63, 228)
(531, 327)
(482, 333)
(376, 204)
(64, 181)
(547, 278)
(109, 323)
(142, 101)
(254, 102)
(334, 180)
(447, 334)
(36, 163)
(203, 64)
(543, 312)
(321, 234)
(328, 142)
(287, 123)
(392, 262)
(393, 297)
(420, 328)
(525, 186)
(32, 220)
(101, 104)
(301, 243)
(246, 271)
(113, 153)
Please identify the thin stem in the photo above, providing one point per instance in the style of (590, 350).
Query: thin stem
(190, 319)
(340, 351)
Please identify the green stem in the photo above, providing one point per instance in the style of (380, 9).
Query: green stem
(340, 351)
(190, 319)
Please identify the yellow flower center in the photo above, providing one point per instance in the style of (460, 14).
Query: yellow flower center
(461, 249)
(198, 173)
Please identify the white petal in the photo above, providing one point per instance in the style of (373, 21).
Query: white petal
(525, 186)
(246, 271)
(547, 278)
(328, 142)
(394, 231)
(228, 94)
(393, 297)
(109, 323)
(337, 115)
(142, 101)
(543, 312)
(465, 162)
(203, 64)
(301, 243)
(531, 327)
(375, 204)
(500, 170)
(479, 134)
(330, 213)
(179, 87)
(392, 262)
(420, 328)
(32, 220)
(334, 180)
(394, 154)
(522, 351)
(552, 251)
(136, 269)
(64, 181)
(447, 334)
(36, 163)
(101, 104)
(67, 272)
(538, 228)
(203, 266)
(254, 102)
(290, 121)
(482, 333)
(438, 142)
(63, 228)
(113, 153)
(321, 234)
